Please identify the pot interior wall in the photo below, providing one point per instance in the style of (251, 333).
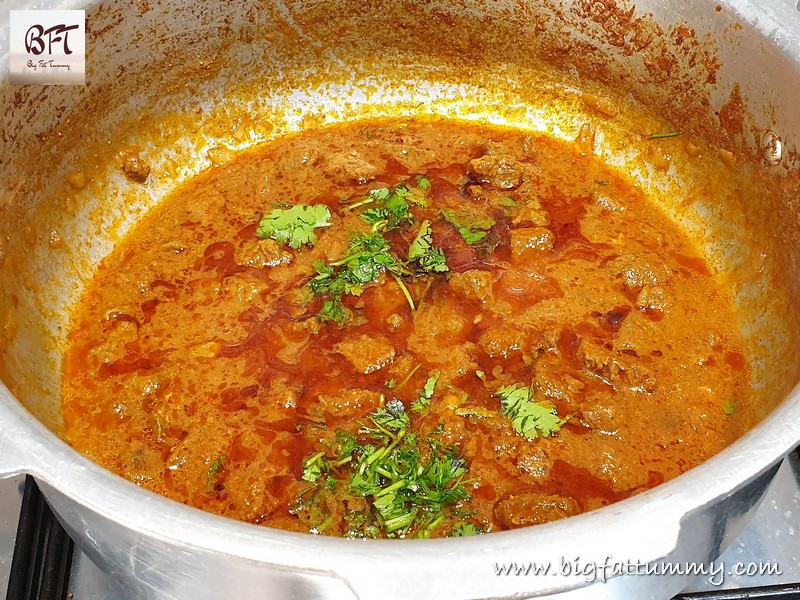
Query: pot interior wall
(173, 79)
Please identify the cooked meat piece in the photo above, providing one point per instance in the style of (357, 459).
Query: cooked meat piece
(367, 354)
(531, 214)
(601, 417)
(652, 298)
(639, 271)
(262, 254)
(349, 402)
(533, 508)
(498, 172)
(348, 167)
(551, 382)
(134, 167)
(530, 241)
(436, 325)
(614, 367)
(473, 285)
(534, 462)
(502, 340)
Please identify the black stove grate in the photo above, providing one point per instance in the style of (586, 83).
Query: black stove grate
(42, 562)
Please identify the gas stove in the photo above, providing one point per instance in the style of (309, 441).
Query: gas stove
(770, 545)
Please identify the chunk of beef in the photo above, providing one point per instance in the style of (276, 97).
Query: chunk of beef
(503, 340)
(531, 214)
(614, 367)
(529, 242)
(639, 271)
(473, 285)
(262, 254)
(533, 508)
(351, 166)
(498, 172)
(350, 402)
(366, 354)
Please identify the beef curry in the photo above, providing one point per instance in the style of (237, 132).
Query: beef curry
(405, 328)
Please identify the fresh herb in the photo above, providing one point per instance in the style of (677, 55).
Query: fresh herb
(314, 466)
(411, 486)
(504, 202)
(661, 136)
(423, 183)
(390, 208)
(465, 529)
(408, 377)
(529, 418)
(393, 416)
(334, 310)
(729, 407)
(217, 465)
(430, 259)
(408, 491)
(213, 470)
(367, 258)
(390, 383)
(472, 228)
(294, 226)
(423, 403)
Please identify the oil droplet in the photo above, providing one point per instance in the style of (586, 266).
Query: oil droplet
(772, 148)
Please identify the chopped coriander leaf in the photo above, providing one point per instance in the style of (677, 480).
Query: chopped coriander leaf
(217, 465)
(390, 383)
(423, 403)
(430, 259)
(504, 202)
(729, 407)
(423, 182)
(473, 228)
(314, 466)
(661, 136)
(294, 226)
(368, 256)
(393, 416)
(411, 486)
(347, 444)
(409, 491)
(465, 529)
(334, 310)
(389, 209)
(529, 418)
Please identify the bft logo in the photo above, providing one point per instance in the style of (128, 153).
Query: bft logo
(48, 47)
(36, 35)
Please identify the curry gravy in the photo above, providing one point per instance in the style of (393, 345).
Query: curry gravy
(198, 366)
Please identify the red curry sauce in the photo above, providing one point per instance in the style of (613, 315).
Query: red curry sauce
(198, 367)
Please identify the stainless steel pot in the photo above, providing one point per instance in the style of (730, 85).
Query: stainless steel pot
(176, 78)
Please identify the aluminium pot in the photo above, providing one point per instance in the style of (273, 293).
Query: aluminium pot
(175, 78)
